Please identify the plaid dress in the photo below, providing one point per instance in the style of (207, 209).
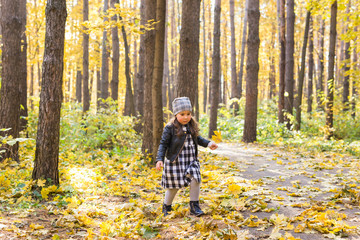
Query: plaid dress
(179, 173)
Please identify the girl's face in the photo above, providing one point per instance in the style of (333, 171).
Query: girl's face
(183, 117)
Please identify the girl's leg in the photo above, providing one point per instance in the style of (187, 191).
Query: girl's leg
(170, 195)
(194, 190)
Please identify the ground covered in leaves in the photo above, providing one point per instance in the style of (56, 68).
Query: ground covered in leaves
(248, 192)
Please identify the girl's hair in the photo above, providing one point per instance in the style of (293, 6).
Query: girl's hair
(192, 125)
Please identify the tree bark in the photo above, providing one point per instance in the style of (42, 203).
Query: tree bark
(282, 41)
(302, 73)
(105, 60)
(233, 57)
(48, 132)
(272, 73)
(10, 75)
(205, 79)
(330, 86)
(147, 144)
(23, 63)
(158, 74)
(320, 82)
(215, 80)
(78, 86)
(242, 56)
(115, 56)
(187, 80)
(140, 76)
(346, 67)
(311, 67)
(289, 61)
(86, 93)
(252, 70)
(355, 69)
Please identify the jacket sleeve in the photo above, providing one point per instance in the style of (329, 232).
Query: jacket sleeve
(164, 143)
(202, 141)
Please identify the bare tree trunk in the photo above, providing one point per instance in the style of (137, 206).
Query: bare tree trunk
(86, 93)
(105, 60)
(242, 56)
(330, 82)
(272, 74)
(147, 144)
(289, 61)
(158, 74)
(252, 71)
(23, 80)
(233, 57)
(115, 56)
(346, 67)
(311, 67)
(302, 73)
(129, 97)
(355, 69)
(320, 82)
(140, 76)
(215, 80)
(78, 86)
(10, 75)
(47, 140)
(205, 79)
(189, 51)
(282, 41)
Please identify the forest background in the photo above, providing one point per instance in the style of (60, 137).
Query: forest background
(285, 73)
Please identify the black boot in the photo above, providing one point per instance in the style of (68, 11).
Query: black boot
(166, 209)
(195, 209)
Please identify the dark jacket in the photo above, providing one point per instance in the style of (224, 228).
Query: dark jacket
(171, 145)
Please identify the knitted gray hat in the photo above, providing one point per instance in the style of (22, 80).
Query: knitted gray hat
(181, 104)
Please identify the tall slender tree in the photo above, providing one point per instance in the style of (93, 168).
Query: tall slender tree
(330, 86)
(215, 80)
(205, 78)
(320, 81)
(346, 66)
(252, 71)
(302, 73)
(282, 41)
(105, 58)
(86, 93)
(115, 55)
(140, 75)
(23, 63)
(311, 67)
(355, 70)
(78, 86)
(158, 73)
(48, 132)
(149, 41)
(187, 80)
(233, 56)
(10, 75)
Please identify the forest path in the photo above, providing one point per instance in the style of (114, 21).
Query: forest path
(293, 182)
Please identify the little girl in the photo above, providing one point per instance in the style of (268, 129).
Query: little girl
(179, 147)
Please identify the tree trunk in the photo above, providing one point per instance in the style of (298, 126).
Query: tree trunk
(205, 79)
(23, 64)
(158, 74)
(78, 86)
(105, 60)
(233, 58)
(242, 56)
(149, 41)
(252, 70)
(47, 140)
(272, 73)
(281, 20)
(215, 80)
(129, 109)
(311, 67)
(330, 82)
(302, 73)
(140, 76)
(289, 61)
(189, 51)
(86, 93)
(355, 69)
(115, 56)
(11, 75)
(346, 67)
(320, 82)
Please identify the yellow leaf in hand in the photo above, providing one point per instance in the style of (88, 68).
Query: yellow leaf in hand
(216, 137)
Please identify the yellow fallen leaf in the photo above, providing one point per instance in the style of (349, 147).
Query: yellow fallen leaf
(36, 226)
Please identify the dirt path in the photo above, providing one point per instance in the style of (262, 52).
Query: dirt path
(293, 183)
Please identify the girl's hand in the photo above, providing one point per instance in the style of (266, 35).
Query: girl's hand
(159, 165)
(213, 146)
